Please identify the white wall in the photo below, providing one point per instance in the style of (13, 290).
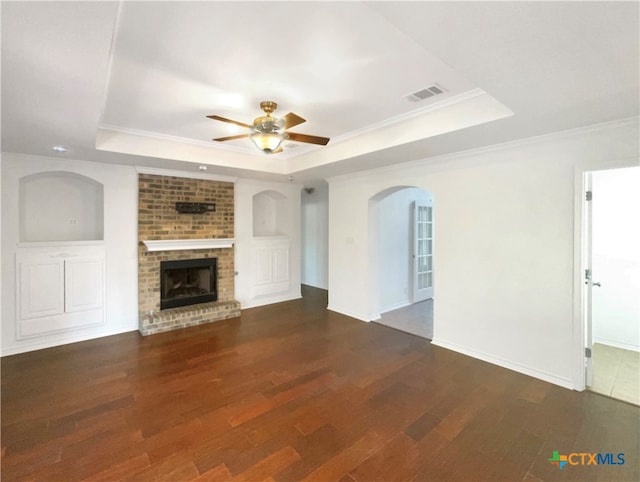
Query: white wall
(315, 236)
(245, 190)
(396, 247)
(505, 245)
(616, 257)
(120, 240)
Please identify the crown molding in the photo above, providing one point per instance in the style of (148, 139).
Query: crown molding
(61, 159)
(166, 137)
(190, 175)
(285, 155)
(518, 143)
(442, 104)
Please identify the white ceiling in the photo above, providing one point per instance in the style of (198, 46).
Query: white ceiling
(132, 82)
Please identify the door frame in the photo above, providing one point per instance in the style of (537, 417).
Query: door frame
(581, 263)
(417, 297)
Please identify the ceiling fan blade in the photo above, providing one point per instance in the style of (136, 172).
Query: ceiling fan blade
(292, 120)
(230, 138)
(224, 119)
(322, 141)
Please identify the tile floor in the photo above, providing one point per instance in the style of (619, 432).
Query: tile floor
(616, 373)
(416, 319)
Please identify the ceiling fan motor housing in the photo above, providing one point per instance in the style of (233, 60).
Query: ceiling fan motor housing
(268, 106)
(267, 124)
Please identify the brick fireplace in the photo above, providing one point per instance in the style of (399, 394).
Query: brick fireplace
(167, 238)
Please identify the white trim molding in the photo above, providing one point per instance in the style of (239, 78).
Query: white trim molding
(353, 314)
(183, 244)
(191, 175)
(516, 367)
(513, 144)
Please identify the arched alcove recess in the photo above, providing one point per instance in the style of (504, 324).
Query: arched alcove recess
(270, 214)
(394, 243)
(60, 206)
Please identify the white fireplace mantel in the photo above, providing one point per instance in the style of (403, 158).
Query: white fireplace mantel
(182, 244)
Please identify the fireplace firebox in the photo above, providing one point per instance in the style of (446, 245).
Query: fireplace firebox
(188, 282)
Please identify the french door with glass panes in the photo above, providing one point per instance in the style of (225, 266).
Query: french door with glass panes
(422, 252)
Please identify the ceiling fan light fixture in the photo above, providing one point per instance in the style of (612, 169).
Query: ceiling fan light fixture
(268, 132)
(267, 141)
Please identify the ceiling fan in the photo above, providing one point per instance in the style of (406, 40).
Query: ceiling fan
(268, 132)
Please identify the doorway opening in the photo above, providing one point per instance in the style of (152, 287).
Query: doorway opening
(401, 267)
(611, 246)
(314, 237)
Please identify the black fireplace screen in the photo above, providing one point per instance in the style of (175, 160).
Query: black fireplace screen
(188, 282)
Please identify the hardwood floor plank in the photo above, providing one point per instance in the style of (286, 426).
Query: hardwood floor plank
(269, 466)
(397, 461)
(314, 449)
(348, 459)
(219, 473)
(121, 470)
(305, 390)
(292, 392)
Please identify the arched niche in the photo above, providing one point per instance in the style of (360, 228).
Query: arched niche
(270, 214)
(60, 206)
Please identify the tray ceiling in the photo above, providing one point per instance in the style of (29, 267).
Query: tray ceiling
(132, 82)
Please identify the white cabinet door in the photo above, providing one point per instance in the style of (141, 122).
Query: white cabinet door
(263, 266)
(281, 264)
(41, 287)
(84, 285)
(270, 270)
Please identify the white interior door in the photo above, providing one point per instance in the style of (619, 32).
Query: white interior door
(588, 280)
(422, 252)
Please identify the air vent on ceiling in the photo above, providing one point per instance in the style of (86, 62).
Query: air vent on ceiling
(431, 91)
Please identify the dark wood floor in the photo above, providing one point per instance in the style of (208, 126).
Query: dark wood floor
(293, 392)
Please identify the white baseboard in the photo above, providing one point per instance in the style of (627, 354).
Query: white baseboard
(33, 345)
(320, 286)
(254, 303)
(517, 367)
(353, 314)
(616, 344)
(395, 306)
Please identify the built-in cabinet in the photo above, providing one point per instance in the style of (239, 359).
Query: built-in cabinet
(59, 290)
(270, 245)
(270, 270)
(60, 256)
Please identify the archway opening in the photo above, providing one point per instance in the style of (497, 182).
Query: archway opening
(402, 254)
